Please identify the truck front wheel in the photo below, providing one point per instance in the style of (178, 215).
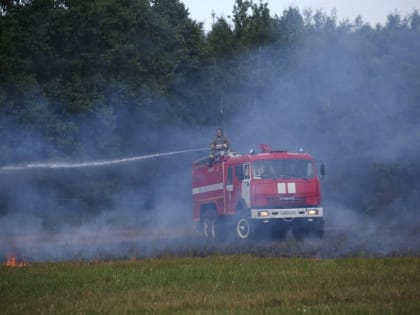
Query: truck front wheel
(243, 228)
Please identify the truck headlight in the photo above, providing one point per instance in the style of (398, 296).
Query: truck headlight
(263, 214)
(312, 212)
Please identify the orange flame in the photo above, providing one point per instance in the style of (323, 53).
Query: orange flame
(12, 261)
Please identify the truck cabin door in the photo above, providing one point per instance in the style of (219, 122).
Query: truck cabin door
(228, 189)
(246, 181)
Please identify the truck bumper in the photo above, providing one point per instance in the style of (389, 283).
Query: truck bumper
(304, 222)
(306, 214)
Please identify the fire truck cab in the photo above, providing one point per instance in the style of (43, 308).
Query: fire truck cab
(244, 195)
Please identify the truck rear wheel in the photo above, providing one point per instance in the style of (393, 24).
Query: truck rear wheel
(209, 225)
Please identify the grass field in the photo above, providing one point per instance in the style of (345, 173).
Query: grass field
(234, 284)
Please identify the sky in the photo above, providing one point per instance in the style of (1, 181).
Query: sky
(372, 11)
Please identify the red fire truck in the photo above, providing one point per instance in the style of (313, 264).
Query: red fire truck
(246, 195)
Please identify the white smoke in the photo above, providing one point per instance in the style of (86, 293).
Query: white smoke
(297, 105)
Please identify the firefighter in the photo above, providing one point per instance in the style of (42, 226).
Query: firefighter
(260, 171)
(264, 172)
(219, 146)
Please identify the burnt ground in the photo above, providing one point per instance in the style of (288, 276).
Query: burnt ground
(114, 244)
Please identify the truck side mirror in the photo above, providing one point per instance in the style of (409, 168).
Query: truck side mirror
(322, 169)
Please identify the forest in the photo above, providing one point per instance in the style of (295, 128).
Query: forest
(88, 80)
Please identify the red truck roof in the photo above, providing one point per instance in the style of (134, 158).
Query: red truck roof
(281, 154)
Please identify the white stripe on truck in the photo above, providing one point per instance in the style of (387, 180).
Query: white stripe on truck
(207, 188)
(289, 189)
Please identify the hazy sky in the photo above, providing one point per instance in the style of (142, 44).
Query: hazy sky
(372, 11)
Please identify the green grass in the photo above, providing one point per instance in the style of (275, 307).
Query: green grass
(238, 284)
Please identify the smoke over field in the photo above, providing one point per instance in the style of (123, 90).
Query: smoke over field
(345, 92)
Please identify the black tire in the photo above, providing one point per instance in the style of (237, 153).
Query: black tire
(209, 225)
(315, 230)
(319, 230)
(243, 228)
(299, 234)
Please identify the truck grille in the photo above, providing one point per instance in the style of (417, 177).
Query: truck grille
(285, 201)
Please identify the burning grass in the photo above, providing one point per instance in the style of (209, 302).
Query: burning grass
(13, 261)
(234, 284)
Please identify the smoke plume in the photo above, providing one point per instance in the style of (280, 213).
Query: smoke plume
(352, 113)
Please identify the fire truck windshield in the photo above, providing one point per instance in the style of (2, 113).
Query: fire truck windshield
(283, 168)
